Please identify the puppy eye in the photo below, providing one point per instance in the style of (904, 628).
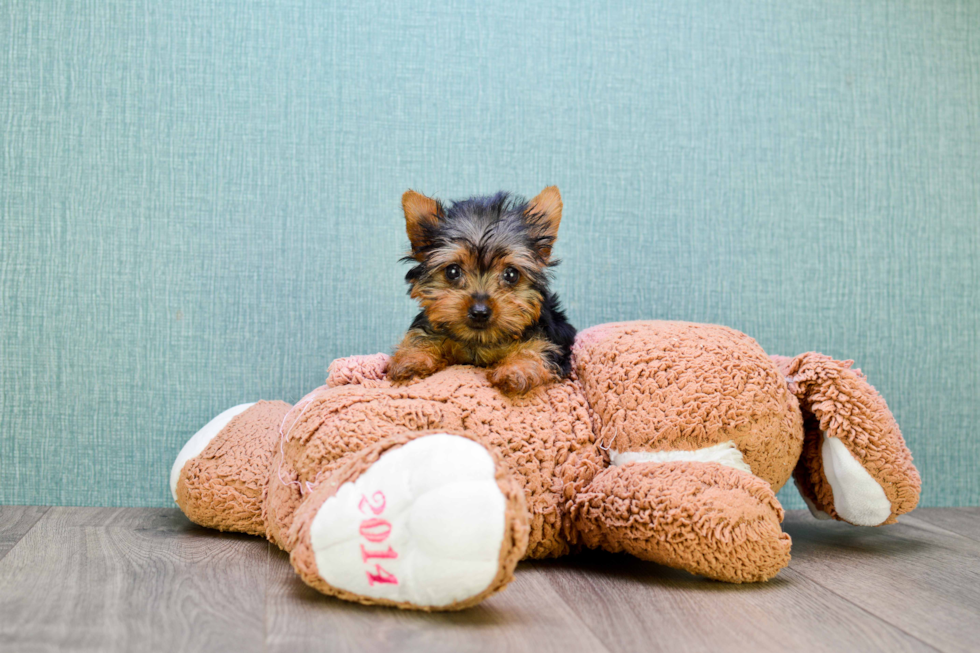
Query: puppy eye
(511, 275)
(454, 272)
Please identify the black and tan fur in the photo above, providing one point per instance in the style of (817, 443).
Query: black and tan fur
(480, 275)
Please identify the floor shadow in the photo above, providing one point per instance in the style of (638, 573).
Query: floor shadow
(488, 613)
(813, 538)
(627, 570)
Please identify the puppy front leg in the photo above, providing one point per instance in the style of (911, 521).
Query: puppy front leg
(419, 355)
(524, 368)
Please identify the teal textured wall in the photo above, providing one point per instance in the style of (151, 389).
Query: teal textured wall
(200, 199)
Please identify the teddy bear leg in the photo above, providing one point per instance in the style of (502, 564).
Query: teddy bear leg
(220, 474)
(423, 520)
(706, 518)
(855, 466)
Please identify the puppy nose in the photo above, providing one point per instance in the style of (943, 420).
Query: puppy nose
(479, 312)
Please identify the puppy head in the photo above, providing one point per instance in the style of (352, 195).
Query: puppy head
(481, 264)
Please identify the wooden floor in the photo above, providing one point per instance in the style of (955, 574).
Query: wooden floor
(118, 579)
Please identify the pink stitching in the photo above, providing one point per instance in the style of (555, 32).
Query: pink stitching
(371, 532)
(382, 576)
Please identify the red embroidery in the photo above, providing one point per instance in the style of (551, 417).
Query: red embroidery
(381, 576)
(379, 499)
(376, 530)
(366, 555)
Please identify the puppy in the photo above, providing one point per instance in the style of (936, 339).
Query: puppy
(480, 274)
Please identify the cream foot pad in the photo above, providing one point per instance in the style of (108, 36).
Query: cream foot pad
(857, 496)
(423, 525)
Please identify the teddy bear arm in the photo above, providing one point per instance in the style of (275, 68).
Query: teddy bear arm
(855, 466)
(706, 518)
(358, 369)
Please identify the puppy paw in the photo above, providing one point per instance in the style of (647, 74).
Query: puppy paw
(519, 377)
(407, 367)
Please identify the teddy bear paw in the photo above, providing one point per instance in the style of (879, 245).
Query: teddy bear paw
(423, 526)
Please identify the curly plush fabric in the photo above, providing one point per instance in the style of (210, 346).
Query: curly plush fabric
(703, 517)
(838, 402)
(668, 441)
(357, 369)
(545, 436)
(223, 487)
(681, 386)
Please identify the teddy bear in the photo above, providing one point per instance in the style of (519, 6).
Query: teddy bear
(668, 441)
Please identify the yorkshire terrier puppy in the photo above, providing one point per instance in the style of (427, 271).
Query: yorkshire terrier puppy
(481, 272)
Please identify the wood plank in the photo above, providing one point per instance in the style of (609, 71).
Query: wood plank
(15, 521)
(147, 579)
(918, 577)
(97, 579)
(645, 607)
(964, 521)
(527, 616)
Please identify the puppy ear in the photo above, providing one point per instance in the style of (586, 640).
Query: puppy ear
(544, 214)
(422, 215)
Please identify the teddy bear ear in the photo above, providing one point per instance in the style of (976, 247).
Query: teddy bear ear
(544, 214)
(422, 216)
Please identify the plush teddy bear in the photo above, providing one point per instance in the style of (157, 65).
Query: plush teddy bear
(669, 441)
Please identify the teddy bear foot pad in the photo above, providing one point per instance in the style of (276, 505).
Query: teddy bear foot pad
(423, 525)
